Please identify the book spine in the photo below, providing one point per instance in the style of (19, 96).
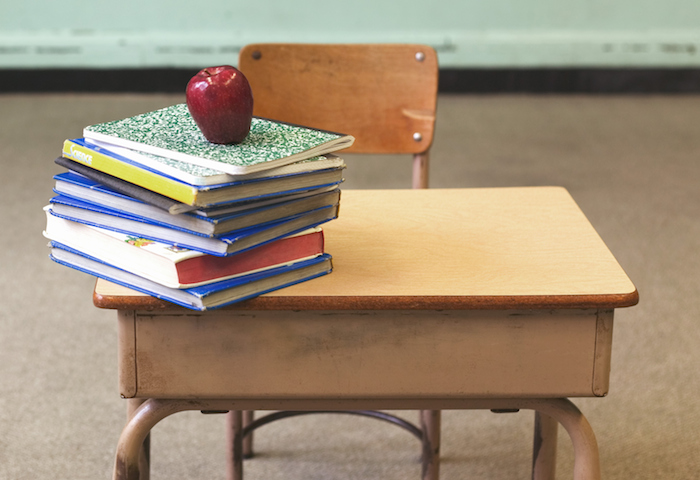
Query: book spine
(92, 157)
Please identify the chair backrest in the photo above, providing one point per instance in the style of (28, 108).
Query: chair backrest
(385, 95)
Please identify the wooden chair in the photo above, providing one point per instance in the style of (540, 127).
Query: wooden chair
(385, 95)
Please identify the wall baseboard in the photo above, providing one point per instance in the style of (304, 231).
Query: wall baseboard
(129, 80)
(571, 80)
(474, 81)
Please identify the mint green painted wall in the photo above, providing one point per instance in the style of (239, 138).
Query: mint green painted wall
(466, 33)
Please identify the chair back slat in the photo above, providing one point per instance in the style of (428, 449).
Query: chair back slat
(384, 95)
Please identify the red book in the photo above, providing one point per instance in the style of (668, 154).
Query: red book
(173, 266)
(205, 268)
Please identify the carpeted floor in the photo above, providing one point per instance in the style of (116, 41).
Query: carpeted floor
(632, 163)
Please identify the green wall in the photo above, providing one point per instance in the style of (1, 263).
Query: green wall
(466, 33)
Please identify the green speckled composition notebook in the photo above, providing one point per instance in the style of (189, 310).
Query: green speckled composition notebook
(171, 132)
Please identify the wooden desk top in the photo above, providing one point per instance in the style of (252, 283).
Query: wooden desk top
(490, 248)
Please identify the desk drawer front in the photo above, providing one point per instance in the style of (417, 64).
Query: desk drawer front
(372, 354)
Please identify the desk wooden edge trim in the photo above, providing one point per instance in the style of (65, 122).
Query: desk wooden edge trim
(138, 302)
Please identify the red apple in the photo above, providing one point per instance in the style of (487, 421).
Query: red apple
(221, 103)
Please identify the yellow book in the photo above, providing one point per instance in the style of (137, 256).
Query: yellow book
(105, 161)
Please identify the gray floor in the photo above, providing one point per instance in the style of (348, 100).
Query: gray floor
(632, 163)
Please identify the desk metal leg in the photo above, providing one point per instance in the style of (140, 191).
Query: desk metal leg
(247, 417)
(430, 425)
(544, 449)
(145, 455)
(234, 443)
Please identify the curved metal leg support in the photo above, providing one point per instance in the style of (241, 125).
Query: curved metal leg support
(394, 420)
(586, 457)
(562, 410)
(145, 417)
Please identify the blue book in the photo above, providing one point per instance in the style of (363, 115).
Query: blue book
(248, 214)
(207, 297)
(227, 244)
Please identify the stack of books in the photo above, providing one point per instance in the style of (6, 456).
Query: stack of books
(148, 203)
